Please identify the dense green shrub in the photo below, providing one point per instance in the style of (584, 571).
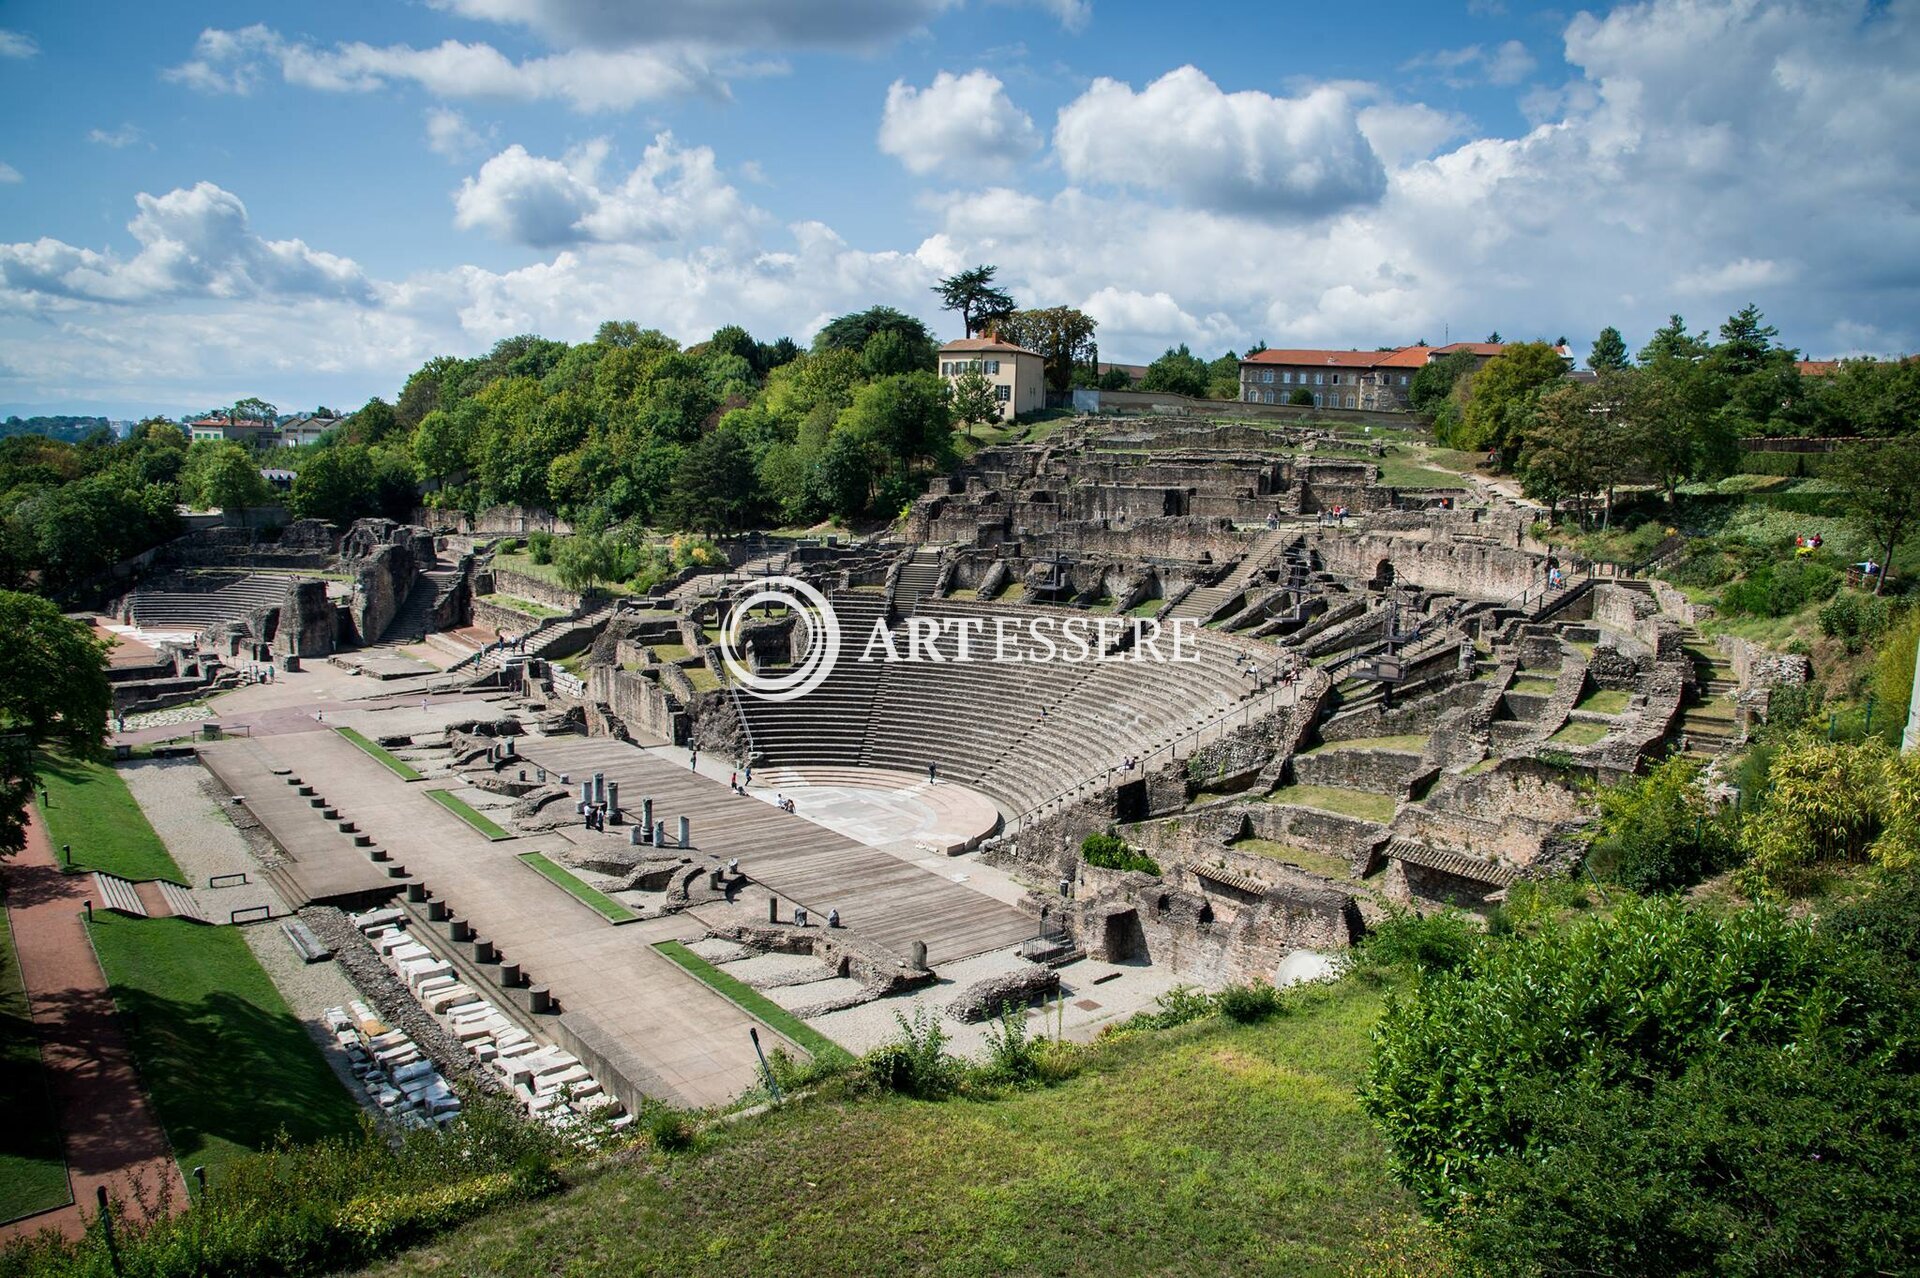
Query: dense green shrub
(1662, 1091)
(540, 547)
(1779, 589)
(1858, 620)
(1422, 943)
(1255, 1001)
(313, 1209)
(1110, 852)
(1178, 1006)
(1658, 833)
(915, 1061)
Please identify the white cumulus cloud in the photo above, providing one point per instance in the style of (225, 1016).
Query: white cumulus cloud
(17, 44)
(674, 193)
(1247, 152)
(587, 79)
(194, 242)
(962, 124)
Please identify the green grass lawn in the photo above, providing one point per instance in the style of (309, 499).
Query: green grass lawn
(525, 607)
(1533, 687)
(1334, 867)
(33, 1169)
(1396, 473)
(1605, 701)
(225, 1062)
(1214, 1148)
(753, 1002)
(591, 897)
(1354, 803)
(88, 806)
(399, 767)
(1411, 742)
(1146, 608)
(466, 812)
(671, 653)
(1579, 734)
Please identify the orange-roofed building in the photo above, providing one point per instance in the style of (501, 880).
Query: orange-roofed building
(1377, 381)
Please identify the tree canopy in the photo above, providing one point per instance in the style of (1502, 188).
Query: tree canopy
(53, 695)
(971, 292)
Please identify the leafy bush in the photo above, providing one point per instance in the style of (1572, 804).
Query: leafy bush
(1112, 853)
(1835, 803)
(1664, 1091)
(1012, 1056)
(1250, 1003)
(1858, 620)
(914, 1062)
(1658, 833)
(313, 1209)
(1432, 943)
(1178, 1006)
(540, 547)
(1780, 589)
(1893, 666)
(668, 1128)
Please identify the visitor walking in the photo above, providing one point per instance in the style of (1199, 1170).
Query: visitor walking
(933, 774)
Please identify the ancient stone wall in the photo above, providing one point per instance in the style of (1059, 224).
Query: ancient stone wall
(507, 582)
(1431, 560)
(308, 623)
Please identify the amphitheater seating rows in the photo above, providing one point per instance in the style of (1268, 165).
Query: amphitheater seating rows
(196, 610)
(1020, 731)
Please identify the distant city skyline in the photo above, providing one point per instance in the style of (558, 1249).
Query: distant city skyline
(198, 206)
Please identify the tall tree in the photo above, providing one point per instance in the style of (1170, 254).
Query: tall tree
(1179, 372)
(224, 474)
(1673, 341)
(714, 488)
(973, 401)
(853, 332)
(1882, 497)
(1061, 335)
(1678, 433)
(53, 693)
(1745, 342)
(1609, 353)
(972, 293)
(254, 409)
(1504, 394)
(337, 484)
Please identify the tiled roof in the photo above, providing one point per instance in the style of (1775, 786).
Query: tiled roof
(1335, 359)
(971, 345)
(1817, 367)
(1457, 864)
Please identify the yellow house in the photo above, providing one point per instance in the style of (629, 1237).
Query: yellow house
(1018, 375)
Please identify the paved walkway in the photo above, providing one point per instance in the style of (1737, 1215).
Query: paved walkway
(112, 1137)
(672, 1036)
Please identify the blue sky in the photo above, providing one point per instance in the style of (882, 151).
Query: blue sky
(197, 204)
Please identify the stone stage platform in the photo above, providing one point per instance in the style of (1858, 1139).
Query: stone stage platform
(879, 893)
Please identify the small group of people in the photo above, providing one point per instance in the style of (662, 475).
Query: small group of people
(782, 802)
(1129, 763)
(1334, 515)
(738, 783)
(1806, 544)
(597, 817)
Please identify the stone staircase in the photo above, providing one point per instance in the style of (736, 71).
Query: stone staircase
(120, 895)
(1707, 724)
(414, 621)
(1202, 602)
(916, 580)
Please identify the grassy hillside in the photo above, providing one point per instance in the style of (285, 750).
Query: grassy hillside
(1213, 1148)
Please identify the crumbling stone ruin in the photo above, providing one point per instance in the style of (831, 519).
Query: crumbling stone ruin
(1398, 696)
